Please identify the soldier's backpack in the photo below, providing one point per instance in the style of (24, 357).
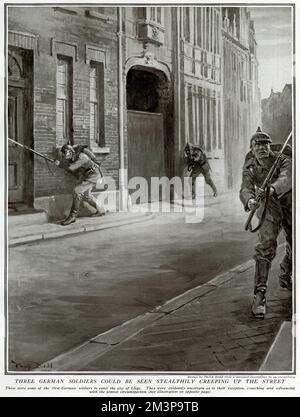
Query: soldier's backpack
(84, 148)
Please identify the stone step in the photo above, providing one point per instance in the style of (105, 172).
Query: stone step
(26, 218)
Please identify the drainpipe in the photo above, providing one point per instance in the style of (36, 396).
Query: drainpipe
(122, 172)
(177, 90)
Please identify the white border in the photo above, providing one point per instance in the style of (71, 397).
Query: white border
(9, 379)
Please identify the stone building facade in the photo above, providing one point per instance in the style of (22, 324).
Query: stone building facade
(62, 69)
(242, 110)
(277, 114)
(133, 83)
(200, 92)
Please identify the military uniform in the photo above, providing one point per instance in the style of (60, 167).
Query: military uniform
(197, 166)
(278, 215)
(88, 174)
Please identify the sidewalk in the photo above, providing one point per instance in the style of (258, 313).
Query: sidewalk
(29, 228)
(206, 329)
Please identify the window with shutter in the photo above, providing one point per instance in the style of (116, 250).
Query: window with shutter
(63, 101)
(97, 104)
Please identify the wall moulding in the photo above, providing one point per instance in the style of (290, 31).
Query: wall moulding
(64, 48)
(23, 40)
(148, 59)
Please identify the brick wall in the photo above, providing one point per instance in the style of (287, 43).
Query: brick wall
(74, 27)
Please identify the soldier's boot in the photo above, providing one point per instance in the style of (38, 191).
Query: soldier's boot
(213, 187)
(285, 281)
(259, 305)
(73, 212)
(285, 276)
(262, 268)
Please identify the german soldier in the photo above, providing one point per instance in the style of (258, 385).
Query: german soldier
(88, 173)
(197, 164)
(278, 214)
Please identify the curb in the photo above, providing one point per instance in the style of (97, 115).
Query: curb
(112, 338)
(280, 354)
(81, 229)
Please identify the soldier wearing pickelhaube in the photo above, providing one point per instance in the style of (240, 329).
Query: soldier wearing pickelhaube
(277, 213)
(77, 161)
(197, 165)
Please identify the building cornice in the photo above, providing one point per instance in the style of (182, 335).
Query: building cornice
(234, 41)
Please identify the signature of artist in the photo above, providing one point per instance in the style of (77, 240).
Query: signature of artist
(30, 365)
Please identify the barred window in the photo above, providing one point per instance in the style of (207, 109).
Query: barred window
(97, 104)
(64, 116)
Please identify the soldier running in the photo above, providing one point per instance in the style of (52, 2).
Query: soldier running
(197, 164)
(75, 160)
(278, 214)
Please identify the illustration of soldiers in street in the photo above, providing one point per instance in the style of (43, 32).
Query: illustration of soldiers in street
(149, 190)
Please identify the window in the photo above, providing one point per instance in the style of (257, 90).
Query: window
(207, 28)
(191, 114)
(97, 104)
(64, 116)
(199, 26)
(187, 32)
(155, 15)
(234, 61)
(208, 121)
(241, 90)
(219, 125)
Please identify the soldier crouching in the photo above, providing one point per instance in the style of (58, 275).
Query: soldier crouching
(277, 216)
(88, 173)
(197, 164)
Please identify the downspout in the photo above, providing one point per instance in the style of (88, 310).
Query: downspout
(177, 93)
(122, 173)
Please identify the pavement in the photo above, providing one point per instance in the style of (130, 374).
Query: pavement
(206, 329)
(31, 227)
(28, 228)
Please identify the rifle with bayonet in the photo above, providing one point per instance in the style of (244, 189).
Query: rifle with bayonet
(52, 160)
(265, 186)
(32, 150)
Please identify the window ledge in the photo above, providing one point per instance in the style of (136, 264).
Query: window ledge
(97, 15)
(65, 10)
(100, 150)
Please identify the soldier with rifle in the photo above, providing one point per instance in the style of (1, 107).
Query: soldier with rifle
(81, 162)
(267, 191)
(197, 164)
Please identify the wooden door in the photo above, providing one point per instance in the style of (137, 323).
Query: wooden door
(15, 152)
(146, 153)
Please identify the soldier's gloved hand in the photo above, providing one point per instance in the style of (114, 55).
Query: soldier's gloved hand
(253, 204)
(57, 162)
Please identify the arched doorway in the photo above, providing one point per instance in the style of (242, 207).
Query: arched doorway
(20, 126)
(148, 119)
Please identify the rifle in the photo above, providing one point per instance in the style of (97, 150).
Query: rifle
(265, 184)
(53, 160)
(33, 151)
